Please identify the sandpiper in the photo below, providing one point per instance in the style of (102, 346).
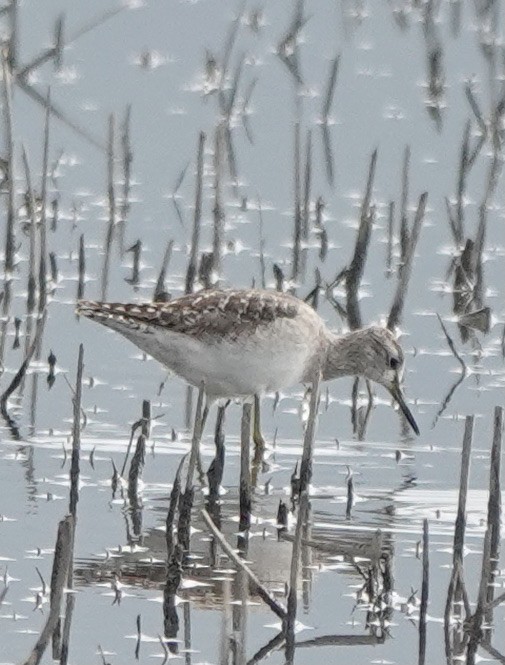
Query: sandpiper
(241, 343)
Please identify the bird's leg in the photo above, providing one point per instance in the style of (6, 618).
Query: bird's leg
(199, 464)
(259, 441)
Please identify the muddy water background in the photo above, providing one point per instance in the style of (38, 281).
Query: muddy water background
(380, 101)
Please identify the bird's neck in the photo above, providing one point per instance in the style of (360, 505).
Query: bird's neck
(340, 359)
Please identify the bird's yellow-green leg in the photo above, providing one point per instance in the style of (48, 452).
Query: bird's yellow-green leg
(259, 441)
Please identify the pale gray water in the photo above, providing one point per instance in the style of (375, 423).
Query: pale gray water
(382, 74)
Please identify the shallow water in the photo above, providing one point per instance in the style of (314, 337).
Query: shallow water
(379, 102)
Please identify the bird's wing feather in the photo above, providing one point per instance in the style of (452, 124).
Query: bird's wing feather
(218, 313)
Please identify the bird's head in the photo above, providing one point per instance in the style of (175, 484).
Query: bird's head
(374, 354)
(386, 364)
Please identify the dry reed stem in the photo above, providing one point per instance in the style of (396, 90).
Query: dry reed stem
(261, 246)
(43, 214)
(218, 209)
(411, 240)
(257, 586)
(459, 531)
(172, 508)
(17, 380)
(354, 273)
(81, 272)
(32, 288)
(127, 170)
(76, 436)
(225, 634)
(112, 206)
(391, 231)
(297, 218)
(404, 201)
(195, 238)
(290, 620)
(494, 504)
(61, 562)
(159, 290)
(330, 89)
(423, 612)
(10, 240)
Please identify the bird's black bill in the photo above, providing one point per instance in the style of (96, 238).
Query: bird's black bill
(396, 392)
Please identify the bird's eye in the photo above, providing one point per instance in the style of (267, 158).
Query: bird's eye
(394, 363)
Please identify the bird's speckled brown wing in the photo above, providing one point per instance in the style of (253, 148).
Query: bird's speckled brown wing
(223, 314)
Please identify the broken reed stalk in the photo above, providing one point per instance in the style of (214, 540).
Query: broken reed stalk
(17, 380)
(127, 170)
(459, 530)
(457, 224)
(146, 418)
(305, 212)
(136, 250)
(81, 274)
(310, 433)
(172, 509)
(186, 500)
(354, 273)
(460, 526)
(10, 239)
(350, 495)
(32, 284)
(261, 246)
(245, 466)
(43, 211)
(404, 201)
(297, 213)
(254, 583)
(109, 236)
(160, 293)
(330, 88)
(478, 616)
(195, 238)
(391, 230)
(407, 260)
(218, 209)
(290, 620)
(61, 562)
(76, 436)
(74, 498)
(494, 505)
(12, 43)
(423, 612)
(225, 633)
(135, 472)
